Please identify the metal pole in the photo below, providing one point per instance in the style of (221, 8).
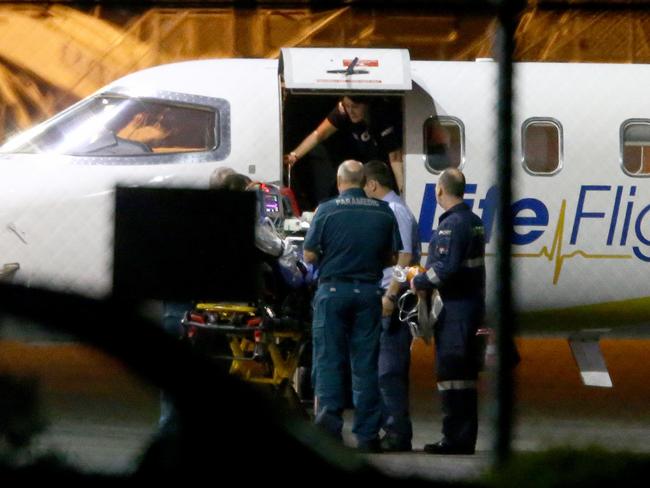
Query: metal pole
(504, 50)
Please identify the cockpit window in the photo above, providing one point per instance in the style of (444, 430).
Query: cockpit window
(123, 126)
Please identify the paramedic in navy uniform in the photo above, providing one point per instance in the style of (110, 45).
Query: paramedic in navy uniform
(455, 266)
(353, 238)
(373, 128)
(395, 342)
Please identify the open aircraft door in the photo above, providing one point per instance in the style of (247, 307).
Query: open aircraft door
(344, 70)
(312, 80)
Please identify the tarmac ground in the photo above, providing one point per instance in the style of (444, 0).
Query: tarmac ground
(101, 418)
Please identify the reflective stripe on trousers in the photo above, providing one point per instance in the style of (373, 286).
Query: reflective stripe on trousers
(473, 263)
(457, 385)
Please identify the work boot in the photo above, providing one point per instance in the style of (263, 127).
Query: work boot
(443, 447)
(392, 444)
(369, 447)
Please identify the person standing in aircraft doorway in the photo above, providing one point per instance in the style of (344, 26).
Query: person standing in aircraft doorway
(456, 267)
(373, 130)
(395, 341)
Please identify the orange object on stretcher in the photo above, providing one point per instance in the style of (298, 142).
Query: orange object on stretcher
(407, 273)
(412, 271)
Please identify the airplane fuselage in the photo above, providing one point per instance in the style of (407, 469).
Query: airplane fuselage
(581, 238)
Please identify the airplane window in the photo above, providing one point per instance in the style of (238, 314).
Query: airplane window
(444, 143)
(122, 126)
(542, 146)
(635, 147)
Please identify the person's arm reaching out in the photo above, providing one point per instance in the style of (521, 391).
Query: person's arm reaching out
(322, 132)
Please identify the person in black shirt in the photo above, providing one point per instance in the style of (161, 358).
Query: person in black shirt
(372, 128)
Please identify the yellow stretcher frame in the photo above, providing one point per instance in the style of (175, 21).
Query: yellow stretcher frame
(283, 355)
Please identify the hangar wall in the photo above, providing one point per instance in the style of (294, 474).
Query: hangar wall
(53, 55)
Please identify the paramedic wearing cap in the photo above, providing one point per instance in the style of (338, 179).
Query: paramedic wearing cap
(395, 342)
(455, 266)
(372, 128)
(353, 238)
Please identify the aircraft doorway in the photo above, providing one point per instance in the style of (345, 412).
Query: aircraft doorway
(354, 97)
(313, 176)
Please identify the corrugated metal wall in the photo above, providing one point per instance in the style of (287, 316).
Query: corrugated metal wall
(51, 56)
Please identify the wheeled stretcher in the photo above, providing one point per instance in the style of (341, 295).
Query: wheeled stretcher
(259, 347)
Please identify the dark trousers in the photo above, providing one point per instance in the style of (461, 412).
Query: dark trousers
(457, 372)
(460, 416)
(346, 331)
(394, 365)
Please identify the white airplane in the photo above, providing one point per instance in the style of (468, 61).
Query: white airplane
(581, 250)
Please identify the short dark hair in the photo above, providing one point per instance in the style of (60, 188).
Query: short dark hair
(365, 99)
(235, 182)
(452, 180)
(379, 171)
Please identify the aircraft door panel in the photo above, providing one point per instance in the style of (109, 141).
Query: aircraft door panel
(418, 108)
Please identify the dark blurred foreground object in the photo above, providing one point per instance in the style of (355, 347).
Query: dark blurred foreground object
(225, 424)
(228, 425)
(588, 468)
(185, 244)
(20, 414)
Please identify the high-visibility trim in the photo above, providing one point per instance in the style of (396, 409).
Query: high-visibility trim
(474, 263)
(432, 276)
(457, 385)
(226, 307)
(596, 378)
